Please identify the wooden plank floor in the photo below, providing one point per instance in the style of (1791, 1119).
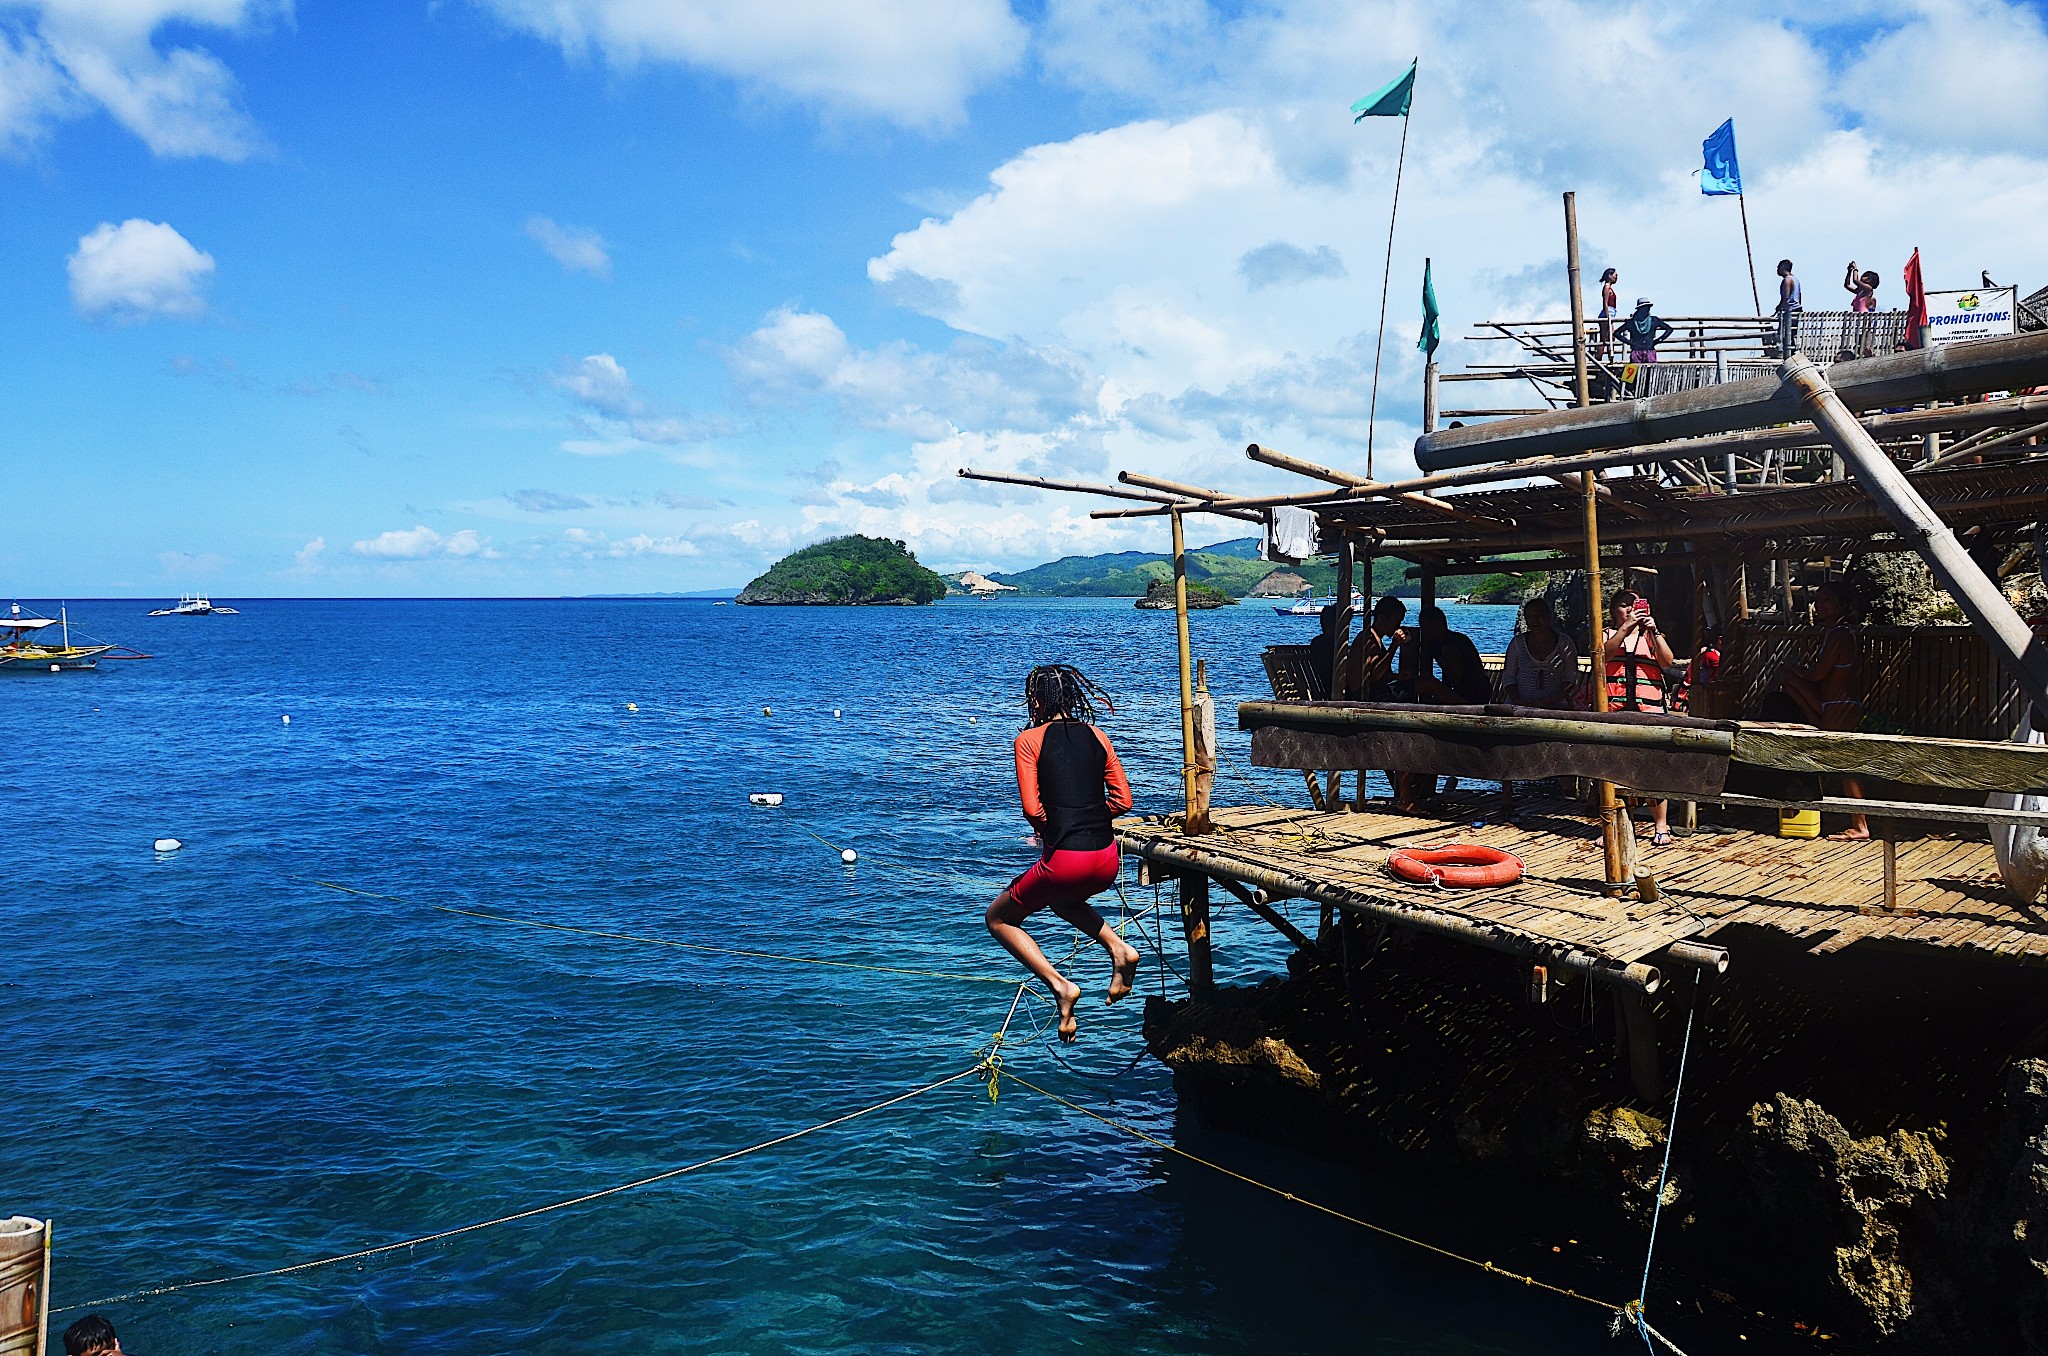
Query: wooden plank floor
(1949, 893)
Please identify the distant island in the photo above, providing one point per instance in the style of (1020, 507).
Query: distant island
(1232, 568)
(851, 571)
(1159, 597)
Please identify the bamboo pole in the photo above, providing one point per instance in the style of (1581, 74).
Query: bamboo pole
(1611, 846)
(1165, 501)
(1193, 890)
(1205, 751)
(1354, 482)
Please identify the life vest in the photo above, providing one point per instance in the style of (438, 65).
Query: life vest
(1462, 865)
(1635, 682)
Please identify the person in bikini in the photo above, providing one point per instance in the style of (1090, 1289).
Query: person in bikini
(1831, 692)
(1072, 786)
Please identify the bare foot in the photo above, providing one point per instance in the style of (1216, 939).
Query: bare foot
(1120, 983)
(1850, 836)
(1068, 995)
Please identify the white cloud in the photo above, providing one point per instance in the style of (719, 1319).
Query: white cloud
(619, 419)
(909, 62)
(308, 559)
(423, 543)
(137, 270)
(576, 248)
(70, 56)
(1279, 263)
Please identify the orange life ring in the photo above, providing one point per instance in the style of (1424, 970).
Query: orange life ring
(1462, 865)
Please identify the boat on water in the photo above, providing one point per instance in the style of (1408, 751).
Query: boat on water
(195, 605)
(23, 648)
(1313, 606)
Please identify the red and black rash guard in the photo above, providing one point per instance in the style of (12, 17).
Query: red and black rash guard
(1064, 769)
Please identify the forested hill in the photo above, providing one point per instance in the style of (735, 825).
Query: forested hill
(1232, 566)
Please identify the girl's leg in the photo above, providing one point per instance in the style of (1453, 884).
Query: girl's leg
(1005, 918)
(1662, 835)
(1082, 915)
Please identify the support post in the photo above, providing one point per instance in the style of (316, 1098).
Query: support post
(1340, 654)
(1609, 806)
(1194, 925)
(1640, 1024)
(1187, 677)
(1429, 398)
(1205, 751)
(1580, 388)
(2010, 639)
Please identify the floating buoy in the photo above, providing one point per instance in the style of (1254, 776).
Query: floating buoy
(167, 845)
(632, 706)
(973, 720)
(1462, 865)
(835, 713)
(767, 710)
(765, 798)
(849, 856)
(287, 720)
(56, 668)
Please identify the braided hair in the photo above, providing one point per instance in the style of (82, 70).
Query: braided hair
(1056, 690)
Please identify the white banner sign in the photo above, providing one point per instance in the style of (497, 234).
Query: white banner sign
(1980, 313)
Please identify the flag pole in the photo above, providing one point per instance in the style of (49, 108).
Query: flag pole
(1755, 297)
(1386, 277)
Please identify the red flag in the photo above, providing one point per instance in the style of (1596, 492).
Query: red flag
(1916, 303)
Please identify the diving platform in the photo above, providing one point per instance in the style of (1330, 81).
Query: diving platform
(1946, 893)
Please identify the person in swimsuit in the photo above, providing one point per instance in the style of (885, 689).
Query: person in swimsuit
(1072, 786)
(1635, 655)
(1610, 310)
(1831, 692)
(1862, 289)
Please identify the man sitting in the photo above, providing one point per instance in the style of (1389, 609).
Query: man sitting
(1460, 678)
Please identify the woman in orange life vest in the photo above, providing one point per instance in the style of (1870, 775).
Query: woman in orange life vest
(1635, 653)
(1072, 786)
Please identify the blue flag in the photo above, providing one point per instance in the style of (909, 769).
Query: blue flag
(1722, 175)
(1390, 100)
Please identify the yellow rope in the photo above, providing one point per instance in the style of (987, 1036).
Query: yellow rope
(1382, 1230)
(655, 941)
(584, 1199)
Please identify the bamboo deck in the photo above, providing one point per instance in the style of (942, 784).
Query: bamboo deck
(1828, 894)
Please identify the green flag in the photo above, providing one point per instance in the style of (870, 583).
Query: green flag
(1432, 319)
(1391, 100)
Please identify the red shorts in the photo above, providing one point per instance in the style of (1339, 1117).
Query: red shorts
(1066, 877)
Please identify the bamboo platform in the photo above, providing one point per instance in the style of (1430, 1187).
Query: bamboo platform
(1824, 893)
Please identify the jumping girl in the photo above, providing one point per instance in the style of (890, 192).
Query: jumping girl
(1072, 786)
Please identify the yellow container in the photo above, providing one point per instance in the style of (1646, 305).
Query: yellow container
(1798, 823)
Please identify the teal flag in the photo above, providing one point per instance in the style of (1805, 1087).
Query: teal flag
(1390, 101)
(1432, 319)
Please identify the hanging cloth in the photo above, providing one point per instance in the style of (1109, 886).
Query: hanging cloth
(1291, 535)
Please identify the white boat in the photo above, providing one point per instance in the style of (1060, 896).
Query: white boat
(197, 605)
(22, 647)
(1313, 606)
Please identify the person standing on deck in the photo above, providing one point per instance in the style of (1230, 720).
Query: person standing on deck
(1540, 669)
(1831, 692)
(1862, 289)
(1791, 305)
(1610, 310)
(1634, 655)
(1642, 332)
(1072, 786)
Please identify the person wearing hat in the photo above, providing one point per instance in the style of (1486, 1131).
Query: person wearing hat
(1642, 332)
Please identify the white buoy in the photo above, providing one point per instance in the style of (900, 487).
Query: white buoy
(56, 668)
(767, 710)
(849, 856)
(835, 713)
(632, 706)
(287, 720)
(167, 845)
(765, 798)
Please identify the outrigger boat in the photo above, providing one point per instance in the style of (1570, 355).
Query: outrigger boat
(196, 605)
(1313, 606)
(23, 650)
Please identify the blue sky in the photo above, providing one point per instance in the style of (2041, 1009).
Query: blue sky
(503, 296)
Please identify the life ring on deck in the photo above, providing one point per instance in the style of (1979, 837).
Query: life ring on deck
(1462, 865)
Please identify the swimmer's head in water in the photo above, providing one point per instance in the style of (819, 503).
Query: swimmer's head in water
(1056, 690)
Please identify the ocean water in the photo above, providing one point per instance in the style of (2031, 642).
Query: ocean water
(219, 1066)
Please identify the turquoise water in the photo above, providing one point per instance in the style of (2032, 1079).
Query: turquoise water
(220, 1067)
